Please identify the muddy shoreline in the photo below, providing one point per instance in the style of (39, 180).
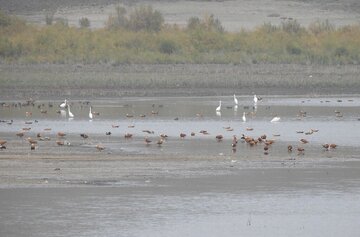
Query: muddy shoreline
(105, 80)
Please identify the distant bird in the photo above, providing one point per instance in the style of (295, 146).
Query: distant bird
(304, 141)
(63, 143)
(235, 100)
(333, 146)
(255, 99)
(182, 135)
(160, 141)
(64, 104)
(91, 114)
(275, 119)
(289, 148)
(300, 150)
(326, 146)
(61, 134)
(83, 135)
(32, 146)
(71, 115)
(128, 135)
(218, 109)
(3, 142)
(100, 147)
(219, 137)
(244, 117)
(108, 133)
(147, 141)
(31, 141)
(2, 147)
(20, 134)
(148, 131)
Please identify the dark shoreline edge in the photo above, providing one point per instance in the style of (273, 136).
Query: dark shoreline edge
(21, 81)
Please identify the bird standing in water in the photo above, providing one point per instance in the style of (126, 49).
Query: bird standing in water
(235, 100)
(218, 109)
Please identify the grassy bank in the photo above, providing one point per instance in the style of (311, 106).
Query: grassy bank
(203, 41)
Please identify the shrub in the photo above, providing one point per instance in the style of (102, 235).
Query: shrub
(145, 18)
(291, 27)
(208, 23)
(84, 22)
(167, 47)
(318, 27)
(49, 18)
(5, 20)
(119, 20)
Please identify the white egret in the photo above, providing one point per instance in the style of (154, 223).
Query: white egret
(218, 109)
(235, 100)
(255, 99)
(71, 115)
(90, 114)
(275, 119)
(64, 104)
(244, 117)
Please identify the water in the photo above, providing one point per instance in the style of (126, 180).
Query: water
(175, 115)
(233, 193)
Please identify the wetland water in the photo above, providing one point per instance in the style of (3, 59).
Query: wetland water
(194, 186)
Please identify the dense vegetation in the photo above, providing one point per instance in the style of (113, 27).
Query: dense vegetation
(141, 36)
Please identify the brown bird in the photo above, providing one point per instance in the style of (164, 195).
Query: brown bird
(289, 148)
(304, 141)
(182, 135)
(326, 146)
(160, 141)
(3, 142)
(300, 150)
(100, 147)
(192, 134)
(60, 143)
(20, 134)
(163, 136)
(148, 131)
(31, 141)
(333, 146)
(61, 134)
(115, 126)
(219, 137)
(128, 135)
(266, 148)
(147, 141)
(32, 146)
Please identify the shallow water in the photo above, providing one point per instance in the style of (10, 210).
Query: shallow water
(188, 207)
(175, 115)
(315, 194)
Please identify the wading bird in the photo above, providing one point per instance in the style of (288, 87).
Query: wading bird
(71, 115)
(64, 104)
(244, 117)
(218, 109)
(235, 100)
(275, 119)
(90, 114)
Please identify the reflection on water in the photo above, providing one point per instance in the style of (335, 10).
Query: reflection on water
(336, 119)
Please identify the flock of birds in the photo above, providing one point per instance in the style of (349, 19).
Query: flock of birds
(251, 141)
